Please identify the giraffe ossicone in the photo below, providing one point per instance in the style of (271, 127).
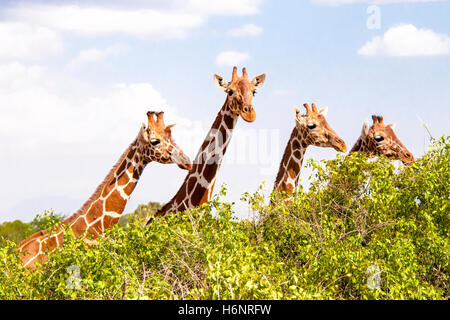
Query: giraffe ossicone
(103, 209)
(198, 185)
(311, 129)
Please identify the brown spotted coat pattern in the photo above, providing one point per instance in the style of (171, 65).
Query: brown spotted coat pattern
(311, 128)
(198, 185)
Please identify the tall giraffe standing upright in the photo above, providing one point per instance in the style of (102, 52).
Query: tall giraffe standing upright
(311, 128)
(199, 183)
(104, 208)
(380, 139)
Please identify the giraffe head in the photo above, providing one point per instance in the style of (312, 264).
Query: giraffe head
(158, 142)
(380, 139)
(315, 129)
(240, 91)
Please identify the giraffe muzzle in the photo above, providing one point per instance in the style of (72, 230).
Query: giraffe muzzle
(248, 113)
(407, 158)
(340, 146)
(182, 161)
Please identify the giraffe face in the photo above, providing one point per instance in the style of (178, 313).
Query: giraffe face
(240, 92)
(315, 129)
(159, 145)
(380, 139)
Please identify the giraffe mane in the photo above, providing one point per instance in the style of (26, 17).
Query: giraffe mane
(286, 154)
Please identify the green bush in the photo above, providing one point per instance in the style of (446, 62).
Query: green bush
(141, 212)
(46, 220)
(363, 230)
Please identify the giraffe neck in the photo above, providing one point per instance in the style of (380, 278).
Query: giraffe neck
(361, 146)
(105, 206)
(199, 183)
(291, 163)
(100, 212)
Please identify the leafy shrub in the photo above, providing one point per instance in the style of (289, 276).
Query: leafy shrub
(46, 220)
(363, 230)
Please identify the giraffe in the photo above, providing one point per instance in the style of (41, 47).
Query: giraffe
(380, 139)
(311, 128)
(199, 183)
(104, 208)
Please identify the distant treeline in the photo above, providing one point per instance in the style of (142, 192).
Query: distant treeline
(18, 230)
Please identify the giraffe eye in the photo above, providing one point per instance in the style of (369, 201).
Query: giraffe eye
(230, 92)
(379, 138)
(311, 126)
(254, 93)
(155, 142)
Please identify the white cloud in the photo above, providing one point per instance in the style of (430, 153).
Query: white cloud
(231, 58)
(95, 55)
(221, 7)
(247, 30)
(342, 2)
(204, 7)
(407, 40)
(91, 55)
(171, 20)
(24, 41)
(61, 143)
(98, 21)
(33, 109)
(15, 76)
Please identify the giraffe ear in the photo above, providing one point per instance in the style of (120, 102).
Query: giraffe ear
(168, 128)
(220, 82)
(258, 81)
(324, 111)
(143, 134)
(365, 128)
(296, 111)
(391, 125)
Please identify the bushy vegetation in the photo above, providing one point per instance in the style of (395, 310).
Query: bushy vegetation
(363, 230)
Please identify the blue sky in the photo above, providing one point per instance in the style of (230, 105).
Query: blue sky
(76, 79)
